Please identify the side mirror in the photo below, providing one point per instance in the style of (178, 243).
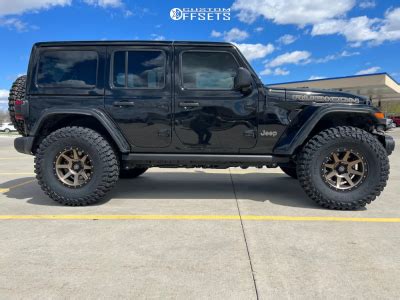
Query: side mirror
(243, 80)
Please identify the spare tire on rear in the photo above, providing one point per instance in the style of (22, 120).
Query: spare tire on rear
(17, 92)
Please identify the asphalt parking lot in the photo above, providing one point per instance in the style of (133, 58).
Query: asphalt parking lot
(181, 233)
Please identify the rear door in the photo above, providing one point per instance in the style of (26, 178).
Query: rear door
(210, 115)
(66, 77)
(138, 95)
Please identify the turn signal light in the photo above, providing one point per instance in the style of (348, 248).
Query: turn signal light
(379, 115)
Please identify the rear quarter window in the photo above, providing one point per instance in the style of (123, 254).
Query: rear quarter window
(67, 68)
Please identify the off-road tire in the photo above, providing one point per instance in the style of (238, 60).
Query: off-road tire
(290, 171)
(17, 92)
(312, 155)
(131, 173)
(104, 161)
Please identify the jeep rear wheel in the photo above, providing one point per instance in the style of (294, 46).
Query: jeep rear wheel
(343, 168)
(132, 173)
(76, 166)
(17, 92)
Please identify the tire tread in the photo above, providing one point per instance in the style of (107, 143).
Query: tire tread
(107, 155)
(306, 156)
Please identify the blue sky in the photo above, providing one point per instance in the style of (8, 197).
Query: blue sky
(285, 40)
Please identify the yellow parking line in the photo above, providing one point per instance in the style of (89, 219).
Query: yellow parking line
(5, 190)
(197, 217)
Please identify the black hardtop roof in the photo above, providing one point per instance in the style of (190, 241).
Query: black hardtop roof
(130, 43)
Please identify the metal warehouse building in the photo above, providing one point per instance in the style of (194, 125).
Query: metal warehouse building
(381, 88)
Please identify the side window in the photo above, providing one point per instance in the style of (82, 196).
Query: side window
(139, 69)
(67, 69)
(208, 70)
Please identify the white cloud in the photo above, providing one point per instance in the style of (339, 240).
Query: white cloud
(105, 3)
(363, 29)
(14, 7)
(19, 7)
(157, 37)
(358, 29)
(313, 77)
(216, 34)
(266, 71)
(287, 39)
(391, 25)
(335, 56)
(275, 72)
(367, 4)
(295, 57)
(298, 12)
(281, 72)
(258, 29)
(3, 100)
(4, 95)
(233, 35)
(14, 23)
(255, 51)
(368, 71)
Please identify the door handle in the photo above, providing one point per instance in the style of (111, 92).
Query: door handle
(163, 105)
(124, 103)
(164, 132)
(189, 104)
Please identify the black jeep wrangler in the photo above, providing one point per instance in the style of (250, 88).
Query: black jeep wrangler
(92, 112)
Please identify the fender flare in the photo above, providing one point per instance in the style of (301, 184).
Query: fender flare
(98, 114)
(300, 129)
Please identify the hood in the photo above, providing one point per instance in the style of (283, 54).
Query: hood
(323, 96)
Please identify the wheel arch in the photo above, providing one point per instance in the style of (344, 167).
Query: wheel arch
(296, 135)
(94, 119)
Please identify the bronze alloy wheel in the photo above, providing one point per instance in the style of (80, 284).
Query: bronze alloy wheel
(344, 170)
(73, 167)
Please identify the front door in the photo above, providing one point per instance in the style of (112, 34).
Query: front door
(209, 114)
(139, 96)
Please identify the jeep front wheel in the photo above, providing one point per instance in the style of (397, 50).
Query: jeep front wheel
(76, 166)
(343, 168)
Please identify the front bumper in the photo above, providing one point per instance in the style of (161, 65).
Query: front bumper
(24, 144)
(388, 143)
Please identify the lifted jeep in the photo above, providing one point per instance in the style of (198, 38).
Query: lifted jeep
(92, 112)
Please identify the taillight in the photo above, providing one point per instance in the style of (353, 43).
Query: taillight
(18, 109)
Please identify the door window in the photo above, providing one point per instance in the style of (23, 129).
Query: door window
(208, 70)
(139, 69)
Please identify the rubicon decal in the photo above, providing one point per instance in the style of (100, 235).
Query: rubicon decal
(200, 14)
(314, 98)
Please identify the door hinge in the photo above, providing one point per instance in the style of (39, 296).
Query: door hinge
(250, 133)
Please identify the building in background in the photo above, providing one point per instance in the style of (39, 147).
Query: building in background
(381, 88)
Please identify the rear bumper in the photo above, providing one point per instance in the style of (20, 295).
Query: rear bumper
(24, 144)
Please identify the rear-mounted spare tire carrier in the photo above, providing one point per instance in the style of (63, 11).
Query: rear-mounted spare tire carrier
(17, 104)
